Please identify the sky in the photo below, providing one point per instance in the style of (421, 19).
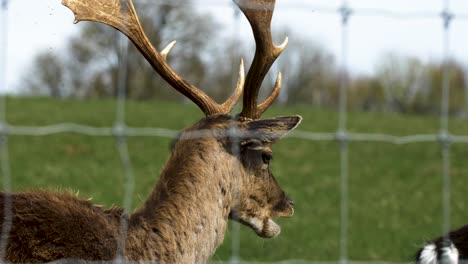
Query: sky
(33, 26)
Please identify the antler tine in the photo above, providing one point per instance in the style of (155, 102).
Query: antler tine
(260, 13)
(231, 102)
(261, 108)
(121, 15)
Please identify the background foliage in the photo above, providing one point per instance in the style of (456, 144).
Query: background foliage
(88, 68)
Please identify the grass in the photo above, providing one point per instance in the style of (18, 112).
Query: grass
(394, 190)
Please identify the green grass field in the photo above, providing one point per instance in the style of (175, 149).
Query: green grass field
(395, 190)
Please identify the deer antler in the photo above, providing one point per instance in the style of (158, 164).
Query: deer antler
(121, 15)
(259, 13)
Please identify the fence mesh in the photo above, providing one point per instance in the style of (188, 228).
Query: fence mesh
(122, 132)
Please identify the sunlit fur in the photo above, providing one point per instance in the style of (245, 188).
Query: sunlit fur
(205, 182)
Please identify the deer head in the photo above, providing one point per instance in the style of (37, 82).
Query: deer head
(256, 197)
(260, 198)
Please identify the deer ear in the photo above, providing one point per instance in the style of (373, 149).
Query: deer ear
(271, 130)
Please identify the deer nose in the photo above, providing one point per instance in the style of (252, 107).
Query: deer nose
(291, 203)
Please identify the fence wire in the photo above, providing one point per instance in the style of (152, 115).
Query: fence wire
(121, 131)
(319, 8)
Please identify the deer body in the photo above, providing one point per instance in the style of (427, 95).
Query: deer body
(218, 170)
(183, 220)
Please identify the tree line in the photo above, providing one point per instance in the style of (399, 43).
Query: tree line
(88, 67)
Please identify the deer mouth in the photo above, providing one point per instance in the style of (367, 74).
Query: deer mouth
(266, 228)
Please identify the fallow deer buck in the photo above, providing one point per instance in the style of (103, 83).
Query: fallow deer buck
(207, 180)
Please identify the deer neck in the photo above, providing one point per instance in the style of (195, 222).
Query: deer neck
(187, 212)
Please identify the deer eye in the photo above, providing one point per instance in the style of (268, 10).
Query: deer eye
(267, 157)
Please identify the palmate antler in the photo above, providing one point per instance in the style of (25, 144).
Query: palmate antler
(121, 15)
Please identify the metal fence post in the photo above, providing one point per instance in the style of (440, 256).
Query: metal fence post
(444, 137)
(341, 136)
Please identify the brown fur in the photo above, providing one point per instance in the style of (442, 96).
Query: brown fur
(204, 183)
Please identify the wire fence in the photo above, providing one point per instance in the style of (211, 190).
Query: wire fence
(122, 132)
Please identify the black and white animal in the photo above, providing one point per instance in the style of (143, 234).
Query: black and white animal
(449, 249)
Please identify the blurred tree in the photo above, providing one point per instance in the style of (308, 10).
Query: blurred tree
(366, 94)
(409, 85)
(456, 85)
(401, 79)
(223, 67)
(91, 63)
(46, 76)
(311, 75)
(465, 114)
